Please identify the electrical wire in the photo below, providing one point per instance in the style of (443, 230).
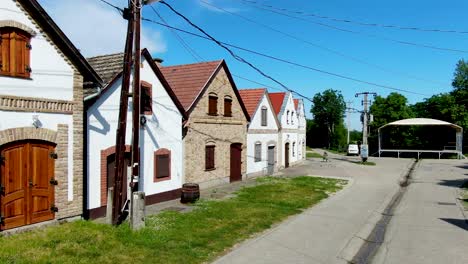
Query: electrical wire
(360, 23)
(224, 44)
(403, 42)
(235, 56)
(289, 62)
(384, 69)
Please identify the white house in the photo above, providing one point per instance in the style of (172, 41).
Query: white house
(284, 107)
(161, 167)
(301, 129)
(262, 133)
(42, 77)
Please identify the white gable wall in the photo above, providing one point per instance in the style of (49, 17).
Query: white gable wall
(289, 126)
(266, 138)
(51, 76)
(162, 130)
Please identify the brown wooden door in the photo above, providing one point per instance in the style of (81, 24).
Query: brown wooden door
(111, 174)
(27, 194)
(286, 155)
(236, 162)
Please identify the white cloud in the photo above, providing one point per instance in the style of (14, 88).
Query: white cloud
(96, 28)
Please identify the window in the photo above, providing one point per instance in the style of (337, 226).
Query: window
(14, 48)
(210, 157)
(258, 152)
(292, 118)
(227, 106)
(162, 165)
(287, 117)
(264, 116)
(293, 148)
(212, 104)
(146, 99)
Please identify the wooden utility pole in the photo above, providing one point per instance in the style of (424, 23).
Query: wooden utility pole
(136, 100)
(119, 200)
(365, 129)
(348, 115)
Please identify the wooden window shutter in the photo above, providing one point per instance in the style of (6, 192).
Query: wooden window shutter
(209, 157)
(264, 116)
(258, 152)
(162, 165)
(146, 98)
(212, 105)
(227, 107)
(15, 52)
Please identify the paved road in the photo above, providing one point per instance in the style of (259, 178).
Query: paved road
(325, 233)
(428, 225)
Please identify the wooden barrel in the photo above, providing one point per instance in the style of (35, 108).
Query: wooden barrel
(190, 193)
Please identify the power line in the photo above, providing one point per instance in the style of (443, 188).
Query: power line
(235, 56)
(403, 42)
(384, 69)
(290, 62)
(111, 5)
(224, 44)
(192, 52)
(361, 23)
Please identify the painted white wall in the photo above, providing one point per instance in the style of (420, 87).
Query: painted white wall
(51, 76)
(288, 121)
(163, 130)
(9, 119)
(264, 139)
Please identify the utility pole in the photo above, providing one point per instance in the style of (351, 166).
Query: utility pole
(348, 113)
(365, 146)
(120, 168)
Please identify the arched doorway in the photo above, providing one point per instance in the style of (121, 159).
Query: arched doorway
(27, 183)
(236, 162)
(286, 155)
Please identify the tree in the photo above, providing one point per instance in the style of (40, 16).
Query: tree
(385, 110)
(328, 110)
(460, 76)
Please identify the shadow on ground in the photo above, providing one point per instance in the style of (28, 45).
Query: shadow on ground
(461, 223)
(453, 183)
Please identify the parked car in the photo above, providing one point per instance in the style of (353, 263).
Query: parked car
(353, 149)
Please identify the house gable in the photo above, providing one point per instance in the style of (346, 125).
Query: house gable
(255, 103)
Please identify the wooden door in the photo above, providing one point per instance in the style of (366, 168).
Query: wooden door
(27, 194)
(111, 174)
(286, 155)
(236, 162)
(271, 160)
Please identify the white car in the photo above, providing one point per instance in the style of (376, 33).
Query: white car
(353, 149)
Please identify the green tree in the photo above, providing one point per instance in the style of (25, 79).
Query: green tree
(460, 76)
(328, 110)
(385, 110)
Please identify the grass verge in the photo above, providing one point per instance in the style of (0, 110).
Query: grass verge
(313, 155)
(368, 163)
(173, 237)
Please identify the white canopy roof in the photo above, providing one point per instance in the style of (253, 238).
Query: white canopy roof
(421, 122)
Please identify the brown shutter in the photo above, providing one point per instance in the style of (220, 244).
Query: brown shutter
(5, 52)
(146, 99)
(209, 157)
(227, 107)
(162, 165)
(15, 49)
(212, 105)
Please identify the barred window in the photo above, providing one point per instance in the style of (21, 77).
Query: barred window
(264, 116)
(258, 152)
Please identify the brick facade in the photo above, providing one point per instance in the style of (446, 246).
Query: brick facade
(217, 130)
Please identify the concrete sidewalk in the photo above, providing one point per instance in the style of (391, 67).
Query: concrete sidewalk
(327, 232)
(429, 225)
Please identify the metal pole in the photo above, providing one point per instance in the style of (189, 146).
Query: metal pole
(348, 118)
(364, 127)
(122, 125)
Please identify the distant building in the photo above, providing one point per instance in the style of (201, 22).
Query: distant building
(262, 134)
(161, 146)
(42, 80)
(215, 133)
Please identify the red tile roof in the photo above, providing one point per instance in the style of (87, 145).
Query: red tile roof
(296, 103)
(251, 99)
(277, 101)
(188, 80)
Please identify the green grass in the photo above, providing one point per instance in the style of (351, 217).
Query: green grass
(313, 155)
(308, 148)
(173, 237)
(368, 163)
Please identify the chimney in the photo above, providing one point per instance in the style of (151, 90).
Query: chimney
(158, 61)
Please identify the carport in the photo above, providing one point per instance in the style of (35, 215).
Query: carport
(425, 122)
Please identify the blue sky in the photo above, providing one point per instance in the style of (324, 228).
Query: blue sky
(421, 70)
